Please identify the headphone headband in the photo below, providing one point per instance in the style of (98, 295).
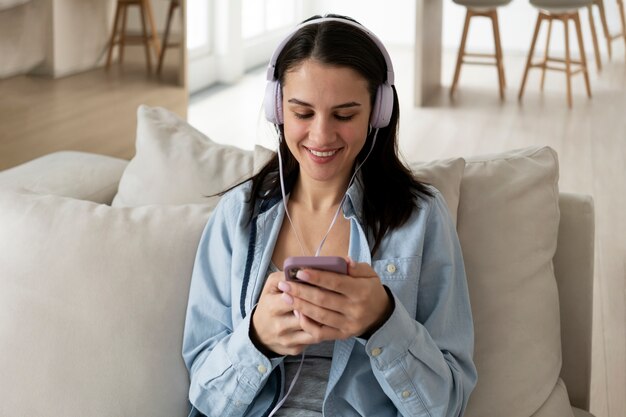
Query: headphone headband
(383, 102)
(271, 68)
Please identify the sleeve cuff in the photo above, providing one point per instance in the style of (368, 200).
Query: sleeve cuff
(251, 364)
(393, 338)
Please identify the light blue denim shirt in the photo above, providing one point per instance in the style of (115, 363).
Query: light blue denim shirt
(418, 363)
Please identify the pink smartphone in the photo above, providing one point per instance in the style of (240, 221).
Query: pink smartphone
(326, 263)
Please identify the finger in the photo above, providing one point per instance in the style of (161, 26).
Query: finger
(360, 269)
(319, 332)
(298, 337)
(314, 295)
(321, 315)
(271, 284)
(328, 280)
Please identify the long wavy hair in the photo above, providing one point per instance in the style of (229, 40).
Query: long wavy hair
(391, 192)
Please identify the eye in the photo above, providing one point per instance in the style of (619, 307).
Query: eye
(343, 118)
(303, 115)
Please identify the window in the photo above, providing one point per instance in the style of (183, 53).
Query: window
(198, 27)
(260, 17)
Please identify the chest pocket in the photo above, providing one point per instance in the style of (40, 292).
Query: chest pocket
(402, 276)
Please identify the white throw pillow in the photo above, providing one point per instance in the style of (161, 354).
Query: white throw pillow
(176, 164)
(445, 175)
(508, 223)
(92, 306)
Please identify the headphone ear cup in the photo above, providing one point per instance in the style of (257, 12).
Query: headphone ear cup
(273, 103)
(383, 106)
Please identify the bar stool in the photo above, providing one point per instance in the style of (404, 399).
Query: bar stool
(594, 38)
(148, 38)
(605, 27)
(484, 8)
(174, 4)
(565, 11)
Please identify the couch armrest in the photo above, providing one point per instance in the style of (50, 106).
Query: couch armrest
(573, 267)
(80, 175)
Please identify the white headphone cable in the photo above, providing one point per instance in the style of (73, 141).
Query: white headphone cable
(282, 190)
(319, 249)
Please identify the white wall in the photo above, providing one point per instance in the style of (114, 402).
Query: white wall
(62, 37)
(79, 35)
(394, 25)
(21, 34)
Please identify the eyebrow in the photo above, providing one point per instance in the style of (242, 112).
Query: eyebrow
(339, 106)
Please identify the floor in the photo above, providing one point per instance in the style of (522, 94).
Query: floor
(95, 111)
(590, 139)
(92, 111)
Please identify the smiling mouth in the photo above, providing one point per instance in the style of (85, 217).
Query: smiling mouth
(324, 154)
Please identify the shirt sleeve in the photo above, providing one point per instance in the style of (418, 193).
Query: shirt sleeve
(225, 368)
(424, 363)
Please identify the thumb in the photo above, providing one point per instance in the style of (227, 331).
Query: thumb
(359, 269)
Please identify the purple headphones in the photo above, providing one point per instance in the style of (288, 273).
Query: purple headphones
(383, 103)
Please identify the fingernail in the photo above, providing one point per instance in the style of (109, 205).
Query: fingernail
(302, 275)
(283, 286)
(287, 298)
(296, 313)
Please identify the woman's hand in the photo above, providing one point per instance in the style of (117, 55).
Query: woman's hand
(275, 329)
(336, 306)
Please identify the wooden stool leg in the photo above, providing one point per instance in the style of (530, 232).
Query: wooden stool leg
(146, 39)
(123, 35)
(583, 58)
(499, 64)
(170, 13)
(620, 6)
(154, 37)
(545, 54)
(459, 59)
(594, 38)
(605, 27)
(113, 36)
(530, 55)
(568, 69)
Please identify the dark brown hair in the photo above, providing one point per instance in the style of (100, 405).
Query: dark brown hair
(390, 191)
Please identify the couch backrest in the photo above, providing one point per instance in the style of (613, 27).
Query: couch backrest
(573, 267)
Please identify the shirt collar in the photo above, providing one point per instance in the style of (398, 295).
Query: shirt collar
(353, 204)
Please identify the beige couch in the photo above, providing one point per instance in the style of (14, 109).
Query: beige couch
(96, 255)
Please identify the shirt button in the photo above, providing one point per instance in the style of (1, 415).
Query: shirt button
(406, 394)
(391, 268)
(262, 369)
(376, 351)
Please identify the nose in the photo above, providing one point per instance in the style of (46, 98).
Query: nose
(321, 131)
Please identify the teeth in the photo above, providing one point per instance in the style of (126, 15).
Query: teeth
(323, 154)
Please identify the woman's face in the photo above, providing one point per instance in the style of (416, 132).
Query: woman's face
(326, 118)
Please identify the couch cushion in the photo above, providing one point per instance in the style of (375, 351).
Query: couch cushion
(176, 164)
(508, 222)
(557, 404)
(73, 174)
(92, 306)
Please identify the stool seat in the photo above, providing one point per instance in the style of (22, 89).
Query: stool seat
(490, 4)
(560, 6)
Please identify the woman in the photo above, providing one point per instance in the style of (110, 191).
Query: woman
(394, 335)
